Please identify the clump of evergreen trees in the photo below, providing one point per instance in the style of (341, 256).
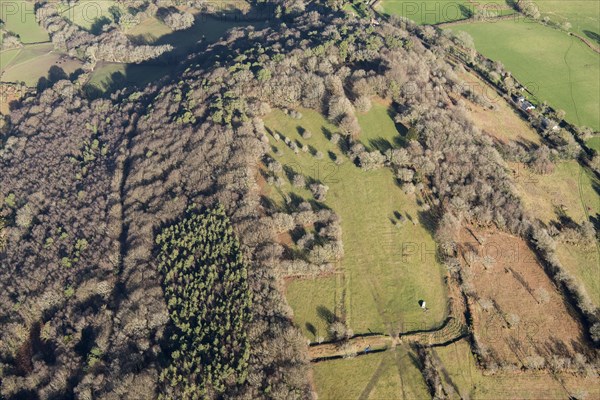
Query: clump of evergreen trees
(209, 302)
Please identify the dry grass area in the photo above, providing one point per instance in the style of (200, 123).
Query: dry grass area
(502, 123)
(463, 379)
(569, 195)
(568, 191)
(518, 313)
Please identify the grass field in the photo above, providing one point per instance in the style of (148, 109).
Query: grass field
(19, 17)
(381, 286)
(108, 76)
(570, 187)
(583, 15)
(430, 12)
(594, 143)
(382, 376)
(32, 62)
(90, 14)
(558, 68)
(7, 56)
(427, 11)
(318, 296)
(32, 70)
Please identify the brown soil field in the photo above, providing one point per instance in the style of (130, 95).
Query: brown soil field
(518, 313)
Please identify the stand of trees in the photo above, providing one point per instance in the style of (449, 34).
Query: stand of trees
(206, 290)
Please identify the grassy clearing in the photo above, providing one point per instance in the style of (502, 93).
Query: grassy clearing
(558, 68)
(32, 70)
(570, 188)
(583, 15)
(19, 17)
(470, 382)
(382, 285)
(108, 76)
(378, 128)
(583, 263)
(148, 31)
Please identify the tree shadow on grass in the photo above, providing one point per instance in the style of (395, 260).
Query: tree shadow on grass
(55, 74)
(380, 144)
(98, 25)
(592, 35)
(428, 220)
(325, 314)
(327, 133)
(267, 203)
(311, 328)
(402, 139)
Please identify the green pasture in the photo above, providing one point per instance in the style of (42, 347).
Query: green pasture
(92, 14)
(558, 68)
(19, 17)
(314, 302)
(382, 376)
(583, 15)
(32, 62)
(594, 143)
(429, 12)
(7, 56)
(386, 269)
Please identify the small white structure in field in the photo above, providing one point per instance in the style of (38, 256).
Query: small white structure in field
(423, 305)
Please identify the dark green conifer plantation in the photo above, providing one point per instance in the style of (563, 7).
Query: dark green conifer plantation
(206, 290)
